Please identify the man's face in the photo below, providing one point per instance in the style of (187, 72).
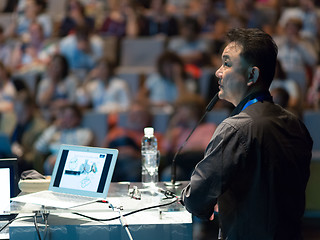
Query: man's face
(232, 75)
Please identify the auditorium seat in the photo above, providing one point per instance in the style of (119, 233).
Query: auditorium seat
(312, 119)
(98, 123)
(141, 52)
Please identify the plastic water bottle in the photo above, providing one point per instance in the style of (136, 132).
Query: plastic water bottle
(150, 158)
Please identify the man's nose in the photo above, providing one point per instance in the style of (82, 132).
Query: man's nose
(218, 73)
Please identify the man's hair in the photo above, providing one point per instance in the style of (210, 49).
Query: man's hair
(259, 50)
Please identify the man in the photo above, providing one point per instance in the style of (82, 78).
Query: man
(256, 165)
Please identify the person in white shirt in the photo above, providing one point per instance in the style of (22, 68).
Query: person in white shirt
(103, 90)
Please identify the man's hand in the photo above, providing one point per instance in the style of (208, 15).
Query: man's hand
(216, 209)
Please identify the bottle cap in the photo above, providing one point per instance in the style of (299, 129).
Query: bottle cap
(148, 131)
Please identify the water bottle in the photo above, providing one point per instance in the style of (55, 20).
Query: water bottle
(150, 158)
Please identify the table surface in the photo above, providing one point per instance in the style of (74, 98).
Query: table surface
(173, 219)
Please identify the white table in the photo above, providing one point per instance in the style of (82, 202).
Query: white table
(155, 224)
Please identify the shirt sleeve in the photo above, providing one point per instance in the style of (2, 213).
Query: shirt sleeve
(212, 175)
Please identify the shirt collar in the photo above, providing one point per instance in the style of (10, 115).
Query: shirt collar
(262, 95)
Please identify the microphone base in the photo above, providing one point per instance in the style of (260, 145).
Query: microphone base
(172, 185)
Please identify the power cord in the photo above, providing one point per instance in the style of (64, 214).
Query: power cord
(12, 220)
(127, 214)
(44, 214)
(122, 220)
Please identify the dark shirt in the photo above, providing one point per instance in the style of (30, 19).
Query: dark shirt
(256, 168)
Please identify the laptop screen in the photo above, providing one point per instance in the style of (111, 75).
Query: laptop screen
(5, 191)
(84, 170)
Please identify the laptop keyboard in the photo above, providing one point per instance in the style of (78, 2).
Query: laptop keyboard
(60, 200)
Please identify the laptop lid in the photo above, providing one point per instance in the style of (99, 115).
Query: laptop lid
(83, 170)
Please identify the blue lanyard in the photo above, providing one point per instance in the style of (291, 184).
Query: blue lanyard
(250, 103)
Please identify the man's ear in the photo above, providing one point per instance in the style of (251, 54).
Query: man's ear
(253, 75)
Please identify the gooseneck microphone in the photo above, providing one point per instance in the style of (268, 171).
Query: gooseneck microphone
(209, 107)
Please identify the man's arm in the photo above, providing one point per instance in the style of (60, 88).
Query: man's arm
(214, 173)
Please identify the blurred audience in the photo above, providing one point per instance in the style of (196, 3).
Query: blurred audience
(313, 97)
(170, 81)
(28, 127)
(66, 129)
(7, 90)
(76, 17)
(296, 54)
(82, 49)
(295, 101)
(127, 139)
(40, 52)
(306, 12)
(188, 111)
(158, 21)
(189, 46)
(103, 90)
(33, 11)
(5, 49)
(57, 88)
(124, 19)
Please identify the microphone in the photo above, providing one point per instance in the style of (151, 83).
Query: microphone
(213, 102)
(209, 107)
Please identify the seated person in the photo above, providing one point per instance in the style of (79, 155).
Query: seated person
(82, 49)
(103, 90)
(190, 47)
(57, 88)
(169, 82)
(76, 16)
(66, 129)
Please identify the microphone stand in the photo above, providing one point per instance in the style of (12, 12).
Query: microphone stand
(173, 182)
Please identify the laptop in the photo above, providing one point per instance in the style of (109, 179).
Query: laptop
(81, 175)
(8, 186)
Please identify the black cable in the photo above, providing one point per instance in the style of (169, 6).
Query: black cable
(45, 218)
(127, 214)
(12, 220)
(36, 225)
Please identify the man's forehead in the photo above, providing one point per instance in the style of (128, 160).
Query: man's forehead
(232, 49)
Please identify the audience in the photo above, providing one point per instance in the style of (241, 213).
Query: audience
(192, 29)
(103, 90)
(66, 129)
(158, 21)
(170, 81)
(124, 19)
(5, 49)
(7, 90)
(33, 11)
(127, 139)
(28, 127)
(190, 47)
(296, 54)
(76, 17)
(295, 101)
(57, 88)
(82, 49)
(188, 111)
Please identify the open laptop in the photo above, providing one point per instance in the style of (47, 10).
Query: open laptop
(8, 186)
(81, 175)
